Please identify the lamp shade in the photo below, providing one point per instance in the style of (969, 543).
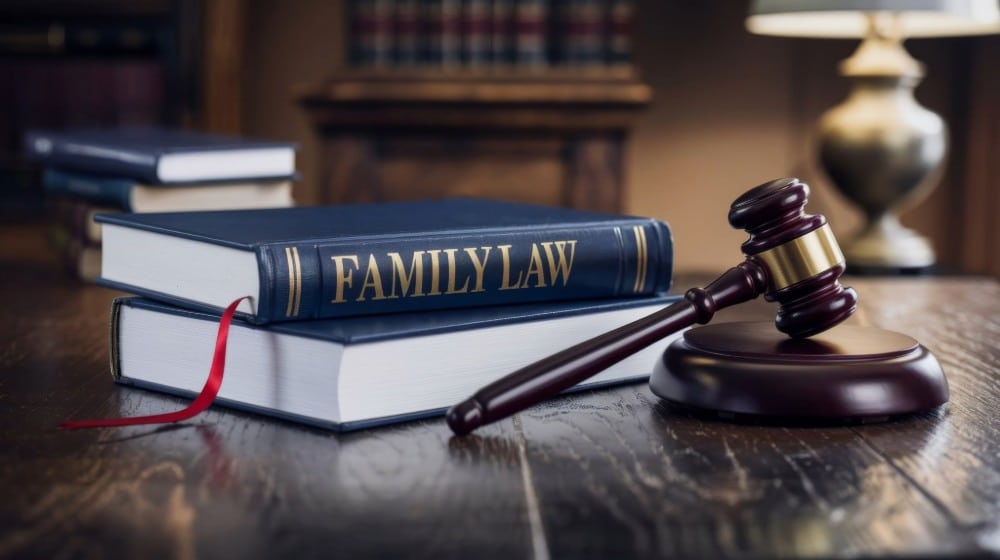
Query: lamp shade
(848, 19)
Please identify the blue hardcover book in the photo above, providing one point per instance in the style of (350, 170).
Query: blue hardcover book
(132, 196)
(352, 373)
(365, 259)
(163, 156)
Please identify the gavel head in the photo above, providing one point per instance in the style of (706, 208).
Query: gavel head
(798, 253)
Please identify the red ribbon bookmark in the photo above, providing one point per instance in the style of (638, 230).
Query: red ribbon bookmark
(204, 399)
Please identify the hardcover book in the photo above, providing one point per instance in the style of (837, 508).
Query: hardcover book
(530, 37)
(155, 155)
(336, 261)
(502, 33)
(440, 31)
(583, 32)
(476, 29)
(352, 373)
(620, 32)
(406, 28)
(372, 37)
(132, 196)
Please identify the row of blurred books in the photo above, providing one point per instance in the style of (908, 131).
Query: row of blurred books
(142, 170)
(484, 34)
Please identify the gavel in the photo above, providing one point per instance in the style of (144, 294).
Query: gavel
(792, 258)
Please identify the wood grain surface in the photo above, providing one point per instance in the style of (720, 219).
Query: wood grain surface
(610, 473)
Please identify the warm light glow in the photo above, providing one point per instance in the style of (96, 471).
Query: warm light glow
(847, 18)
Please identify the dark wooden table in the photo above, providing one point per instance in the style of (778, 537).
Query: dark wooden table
(603, 474)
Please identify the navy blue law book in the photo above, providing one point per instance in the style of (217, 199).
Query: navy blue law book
(365, 259)
(353, 373)
(163, 156)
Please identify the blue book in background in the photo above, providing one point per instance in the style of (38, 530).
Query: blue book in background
(130, 195)
(163, 156)
(366, 259)
(353, 373)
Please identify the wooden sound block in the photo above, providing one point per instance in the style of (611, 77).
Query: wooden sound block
(848, 373)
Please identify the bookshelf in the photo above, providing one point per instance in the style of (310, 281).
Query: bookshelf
(67, 63)
(446, 98)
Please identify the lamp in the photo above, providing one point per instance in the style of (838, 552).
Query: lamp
(880, 147)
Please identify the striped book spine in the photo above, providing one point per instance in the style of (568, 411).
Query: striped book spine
(530, 22)
(619, 48)
(476, 33)
(583, 34)
(502, 32)
(440, 32)
(407, 33)
(371, 23)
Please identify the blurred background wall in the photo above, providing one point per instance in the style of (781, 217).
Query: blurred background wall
(729, 110)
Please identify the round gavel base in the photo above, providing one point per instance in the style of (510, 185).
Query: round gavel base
(846, 374)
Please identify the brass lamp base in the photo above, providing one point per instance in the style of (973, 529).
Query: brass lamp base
(883, 151)
(887, 245)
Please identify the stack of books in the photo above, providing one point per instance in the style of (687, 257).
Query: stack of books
(138, 170)
(360, 315)
(485, 34)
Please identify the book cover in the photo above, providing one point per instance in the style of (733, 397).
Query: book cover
(363, 371)
(131, 196)
(157, 155)
(336, 261)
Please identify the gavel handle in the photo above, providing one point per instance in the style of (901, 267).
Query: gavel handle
(558, 372)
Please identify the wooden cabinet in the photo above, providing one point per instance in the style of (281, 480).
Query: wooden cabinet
(556, 137)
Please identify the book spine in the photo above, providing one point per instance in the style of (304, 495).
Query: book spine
(530, 48)
(97, 190)
(309, 281)
(371, 22)
(475, 33)
(583, 33)
(92, 159)
(440, 33)
(407, 33)
(619, 47)
(501, 33)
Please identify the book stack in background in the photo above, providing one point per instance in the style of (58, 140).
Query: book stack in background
(490, 34)
(139, 170)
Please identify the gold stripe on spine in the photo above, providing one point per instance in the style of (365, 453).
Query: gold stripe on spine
(291, 282)
(294, 281)
(641, 258)
(802, 257)
(645, 258)
(298, 280)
